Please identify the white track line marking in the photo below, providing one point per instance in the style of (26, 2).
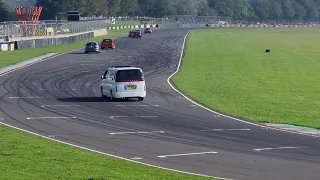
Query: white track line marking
(217, 113)
(45, 105)
(141, 132)
(145, 116)
(187, 154)
(99, 152)
(133, 116)
(118, 116)
(136, 158)
(51, 117)
(226, 130)
(31, 97)
(92, 64)
(137, 105)
(288, 147)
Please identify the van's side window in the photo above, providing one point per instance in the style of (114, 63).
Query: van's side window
(108, 75)
(112, 76)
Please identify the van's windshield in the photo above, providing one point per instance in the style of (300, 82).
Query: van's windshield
(129, 75)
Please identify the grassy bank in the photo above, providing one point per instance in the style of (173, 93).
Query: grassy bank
(12, 57)
(24, 156)
(228, 70)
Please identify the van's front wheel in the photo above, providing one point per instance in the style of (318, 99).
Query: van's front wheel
(111, 96)
(140, 98)
(102, 95)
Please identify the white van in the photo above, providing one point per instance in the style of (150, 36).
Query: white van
(123, 82)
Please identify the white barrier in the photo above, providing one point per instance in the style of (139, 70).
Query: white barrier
(131, 27)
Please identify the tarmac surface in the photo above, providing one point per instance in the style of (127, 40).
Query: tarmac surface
(60, 98)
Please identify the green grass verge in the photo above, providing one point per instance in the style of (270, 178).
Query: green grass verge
(24, 156)
(228, 70)
(12, 57)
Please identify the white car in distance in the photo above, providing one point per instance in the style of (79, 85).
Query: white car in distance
(123, 82)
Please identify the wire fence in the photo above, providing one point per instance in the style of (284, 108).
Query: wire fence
(48, 28)
(190, 19)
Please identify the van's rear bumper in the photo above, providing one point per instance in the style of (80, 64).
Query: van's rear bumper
(129, 94)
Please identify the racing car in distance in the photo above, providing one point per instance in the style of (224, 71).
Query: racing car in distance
(137, 34)
(148, 30)
(130, 33)
(108, 43)
(92, 47)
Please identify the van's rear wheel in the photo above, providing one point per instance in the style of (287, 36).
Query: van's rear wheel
(111, 96)
(140, 98)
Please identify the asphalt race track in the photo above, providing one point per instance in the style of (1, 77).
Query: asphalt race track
(60, 98)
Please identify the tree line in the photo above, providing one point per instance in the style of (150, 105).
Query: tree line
(258, 10)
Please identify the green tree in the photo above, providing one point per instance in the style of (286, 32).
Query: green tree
(241, 9)
(300, 11)
(128, 7)
(3, 11)
(263, 9)
(100, 7)
(288, 9)
(113, 6)
(311, 9)
(51, 8)
(275, 9)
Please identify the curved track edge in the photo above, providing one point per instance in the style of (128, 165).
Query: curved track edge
(218, 113)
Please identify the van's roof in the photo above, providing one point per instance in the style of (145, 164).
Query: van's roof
(123, 68)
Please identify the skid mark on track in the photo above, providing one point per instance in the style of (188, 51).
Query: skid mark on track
(51, 117)
(206, 130)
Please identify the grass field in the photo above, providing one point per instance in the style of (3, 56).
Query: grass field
(24, 156)
(229, 71)
(12, 57)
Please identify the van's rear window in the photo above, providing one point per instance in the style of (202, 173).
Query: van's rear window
(130, 74)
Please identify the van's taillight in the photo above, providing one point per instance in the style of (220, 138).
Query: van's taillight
(131, 80)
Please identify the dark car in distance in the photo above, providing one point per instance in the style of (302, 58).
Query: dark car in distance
(130, 34)
(137, 34)
(92, 47)
(148, 30)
